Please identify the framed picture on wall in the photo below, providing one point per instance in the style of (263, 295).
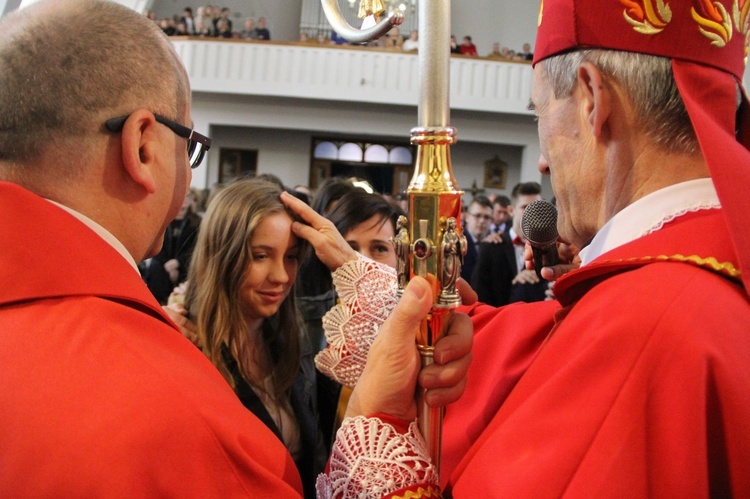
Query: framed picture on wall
(237, 163)
(320, 171)
(402, 176)
(495, 173)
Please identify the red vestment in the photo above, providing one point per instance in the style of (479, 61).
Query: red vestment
(100, 394)
(637, 387)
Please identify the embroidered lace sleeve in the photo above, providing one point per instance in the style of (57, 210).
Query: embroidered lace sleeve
(367, 294)
(373, 459)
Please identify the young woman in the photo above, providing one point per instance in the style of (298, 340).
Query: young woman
(240, 297)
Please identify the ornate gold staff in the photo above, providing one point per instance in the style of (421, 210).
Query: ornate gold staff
(430, 243)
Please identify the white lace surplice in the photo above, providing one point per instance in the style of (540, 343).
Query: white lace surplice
(371, 458)
(367, 294)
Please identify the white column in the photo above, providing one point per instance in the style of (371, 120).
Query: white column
(529, 162)
(530, 171)
(26, 3)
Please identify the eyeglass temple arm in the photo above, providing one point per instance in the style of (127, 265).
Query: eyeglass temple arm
(354, 35)
(116, 124)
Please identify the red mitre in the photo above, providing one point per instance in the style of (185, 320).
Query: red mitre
(707, 41)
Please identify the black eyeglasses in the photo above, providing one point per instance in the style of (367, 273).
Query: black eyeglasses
(197, 144)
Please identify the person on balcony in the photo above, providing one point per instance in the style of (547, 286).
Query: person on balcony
(468, 47)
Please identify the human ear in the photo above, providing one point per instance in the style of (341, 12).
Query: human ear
(139, 146)
(594, 98)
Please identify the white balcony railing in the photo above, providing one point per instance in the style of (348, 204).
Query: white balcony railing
(347, 74)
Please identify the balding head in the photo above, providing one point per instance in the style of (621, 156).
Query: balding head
(66, 66)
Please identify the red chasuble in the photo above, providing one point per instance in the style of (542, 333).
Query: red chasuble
(100, 394)
(638, 387)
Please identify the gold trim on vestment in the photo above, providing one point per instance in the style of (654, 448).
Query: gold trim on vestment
(724, 268)
(420, 493)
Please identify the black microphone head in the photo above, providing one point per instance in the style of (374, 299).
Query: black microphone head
(539, 223)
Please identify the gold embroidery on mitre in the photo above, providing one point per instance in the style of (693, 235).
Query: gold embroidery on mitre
(710, 263)
(714, 23)
(648, 17)
(741, 17)
(541, 11)
(420, 493)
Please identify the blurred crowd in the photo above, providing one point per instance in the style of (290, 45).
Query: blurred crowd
(211, 21)
(215, 22)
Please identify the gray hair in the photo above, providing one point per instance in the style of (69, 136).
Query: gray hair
(648, 81)
(67, 67)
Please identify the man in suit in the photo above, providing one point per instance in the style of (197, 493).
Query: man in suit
(501, 219)
(188, 20)
(499, 276)
(169, 268)
(476, 228)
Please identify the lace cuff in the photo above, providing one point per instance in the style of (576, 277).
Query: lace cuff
(372, 459)
(367, 291)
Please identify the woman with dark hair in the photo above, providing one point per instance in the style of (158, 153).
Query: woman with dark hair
(315, 289)
(367, 222)
(330, 192)
(241, 298)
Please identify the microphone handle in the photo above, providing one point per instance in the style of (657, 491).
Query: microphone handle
(544, 256)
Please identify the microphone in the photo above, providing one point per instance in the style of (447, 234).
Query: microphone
(539, 227)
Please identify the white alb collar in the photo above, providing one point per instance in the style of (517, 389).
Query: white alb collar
(650, 213)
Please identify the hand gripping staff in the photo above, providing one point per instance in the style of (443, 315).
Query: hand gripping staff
(430, 243)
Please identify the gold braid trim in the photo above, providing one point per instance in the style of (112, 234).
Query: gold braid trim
(710, 263)
(430, 491)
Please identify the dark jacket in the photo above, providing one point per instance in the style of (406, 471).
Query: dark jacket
(493, 275)
(304, 402)
(179, 242)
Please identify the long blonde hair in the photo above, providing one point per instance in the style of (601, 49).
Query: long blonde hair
(220, 260)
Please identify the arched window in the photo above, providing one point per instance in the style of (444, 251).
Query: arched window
(401, 155)
(350, 152)
(375, 153)
(386, 165)
(326, 150)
